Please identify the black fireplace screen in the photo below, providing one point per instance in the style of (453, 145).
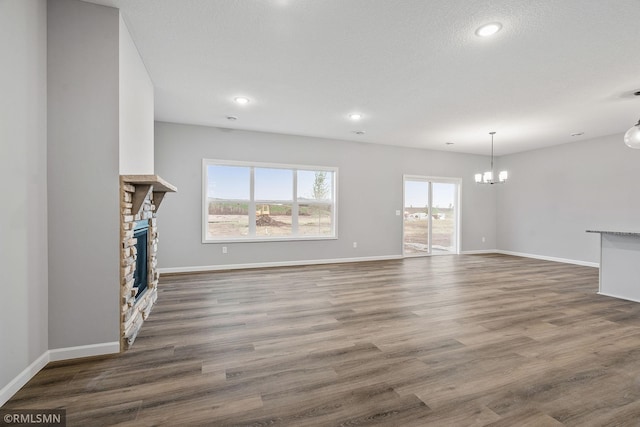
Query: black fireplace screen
(141, 233)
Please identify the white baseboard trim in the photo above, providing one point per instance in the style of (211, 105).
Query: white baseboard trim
(84, 351)
(23, 377)
(201, 268)
(618, 297)
(53, 356)
(550, 258)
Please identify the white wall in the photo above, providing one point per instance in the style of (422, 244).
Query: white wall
(83, 170)
(136, 109)
(555, 194)
(369, 193)
(23, 172)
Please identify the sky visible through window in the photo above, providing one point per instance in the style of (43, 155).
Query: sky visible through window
(417, 193)
(233, 183)
(273, 184)
(228, 182)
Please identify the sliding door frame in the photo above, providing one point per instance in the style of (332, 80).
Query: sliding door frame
(430, 180)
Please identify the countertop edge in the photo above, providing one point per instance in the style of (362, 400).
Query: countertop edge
(617, 233)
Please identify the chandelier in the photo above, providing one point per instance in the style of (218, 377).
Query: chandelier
(489, 176)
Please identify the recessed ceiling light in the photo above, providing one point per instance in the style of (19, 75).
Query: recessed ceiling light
(449, 143)
(488, 29)
(241, 100)
(355, 116)
(358, 132)
(577, 134)
(232, 118)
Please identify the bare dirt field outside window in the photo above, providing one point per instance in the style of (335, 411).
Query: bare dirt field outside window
(416, 226)
(271, 221)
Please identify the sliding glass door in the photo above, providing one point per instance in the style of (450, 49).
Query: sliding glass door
(431, 213)
(416, 217)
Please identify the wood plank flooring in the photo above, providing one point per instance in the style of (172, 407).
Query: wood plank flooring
(471, 340)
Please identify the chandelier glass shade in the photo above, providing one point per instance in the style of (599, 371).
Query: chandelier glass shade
(489, 177)
(632, 137)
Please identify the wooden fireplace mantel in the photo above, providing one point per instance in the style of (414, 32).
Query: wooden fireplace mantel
(146, 184)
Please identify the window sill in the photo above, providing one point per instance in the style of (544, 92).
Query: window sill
(269, 240)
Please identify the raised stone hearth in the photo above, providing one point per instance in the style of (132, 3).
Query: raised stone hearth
(140, 198)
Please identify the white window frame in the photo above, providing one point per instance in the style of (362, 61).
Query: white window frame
(252, 202)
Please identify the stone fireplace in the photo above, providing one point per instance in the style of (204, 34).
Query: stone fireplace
(140, 198)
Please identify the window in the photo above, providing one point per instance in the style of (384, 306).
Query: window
(258, 201)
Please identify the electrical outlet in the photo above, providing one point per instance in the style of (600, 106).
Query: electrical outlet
(483, 239)
(224, 249)
(355, 244)
(397, 213)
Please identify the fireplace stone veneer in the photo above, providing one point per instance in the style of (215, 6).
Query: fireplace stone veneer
(140, 197)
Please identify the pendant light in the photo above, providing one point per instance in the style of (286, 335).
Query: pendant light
(489, 176)
(632, 137)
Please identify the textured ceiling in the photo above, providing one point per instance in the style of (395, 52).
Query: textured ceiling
(413, 68)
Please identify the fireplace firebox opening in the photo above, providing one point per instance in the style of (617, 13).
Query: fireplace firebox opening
(140, 276)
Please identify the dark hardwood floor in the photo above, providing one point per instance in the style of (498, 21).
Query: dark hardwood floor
(468, 340)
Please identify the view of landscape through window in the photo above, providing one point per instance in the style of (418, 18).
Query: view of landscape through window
(418, 237)
(254, 202)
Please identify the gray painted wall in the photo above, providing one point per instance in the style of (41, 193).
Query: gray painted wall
(555, 194)
(83, 162)
(369, 193)
(136, 109)
(23, 170)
